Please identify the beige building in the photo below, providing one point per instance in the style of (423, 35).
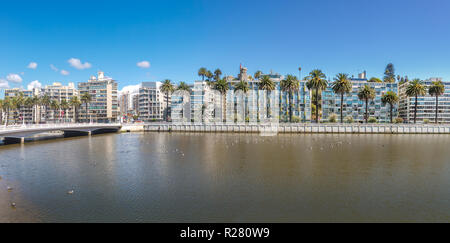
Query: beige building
(103, 106)
(24, 114)
(59, 92)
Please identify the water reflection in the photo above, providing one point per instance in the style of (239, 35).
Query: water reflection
(188, 177)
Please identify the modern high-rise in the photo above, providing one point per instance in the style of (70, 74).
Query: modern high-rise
(426, 105)
(104, 103)
(353, 106)
(152, 102)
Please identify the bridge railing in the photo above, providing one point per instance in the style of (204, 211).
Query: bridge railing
(54, 125)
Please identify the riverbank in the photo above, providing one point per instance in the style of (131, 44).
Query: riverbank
(293, 128)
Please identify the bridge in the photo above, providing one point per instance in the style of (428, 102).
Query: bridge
(18, 133)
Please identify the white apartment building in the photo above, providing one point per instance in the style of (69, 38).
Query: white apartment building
(152, 103)
(104, 106)
(25, 114)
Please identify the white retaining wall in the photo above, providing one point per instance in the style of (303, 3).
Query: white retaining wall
(303, 128)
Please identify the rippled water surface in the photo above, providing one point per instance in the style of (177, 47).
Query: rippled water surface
(178, 177)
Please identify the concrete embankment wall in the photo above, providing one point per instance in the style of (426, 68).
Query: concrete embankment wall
(302, 128)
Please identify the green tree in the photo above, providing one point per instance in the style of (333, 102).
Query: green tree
(290, 84)
(366, 93)
(202, 73)
(75, 103)
(45, 101)
(54, 105)
(17, 103)
(268, 85)
(414, 89)
(389, 73)
(436, 89)
(390, 98)
(217, 74)
(317, 81)
(209, 76)
(28, 103)
(167, 88)
(257, 74)
(184, 86)
(342, 86)
(86, 99)
(242, 85)
(222, 86)
(375, 80)
(65, 106)
(7, 105)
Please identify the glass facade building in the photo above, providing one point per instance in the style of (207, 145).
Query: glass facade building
(426, 105)
(354, 107)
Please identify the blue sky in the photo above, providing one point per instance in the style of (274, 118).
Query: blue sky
(178, 37)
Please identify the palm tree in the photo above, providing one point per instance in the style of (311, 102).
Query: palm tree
(16, 103)
(342, 86)
(415, 88)
(45, 101)
(7, 105)
(222, 86)
(217, 74)
(390, 98)
(28, 103)
(54, 105)
(65, 106)
(86, 99)
(375, 80)
(316, 80)
(436, 89)
(366, 93)
(184, 86)
(167, 88)
(1, 111)
(242, 85)
(290, 84)
(268, 85)
(257, 74)
(75, 103)
(202, 73)
(209, 75)
(36, 103)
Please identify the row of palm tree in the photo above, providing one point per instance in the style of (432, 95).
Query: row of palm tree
(316, 81)
(417, 88)
(19, 101)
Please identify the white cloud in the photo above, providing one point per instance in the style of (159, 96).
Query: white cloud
(53, 68)
(4, 84)
(64, 72)
(32, 65)
(76, 63)
(14, 78)
(130, 88)
(143, 64)
(34, 84)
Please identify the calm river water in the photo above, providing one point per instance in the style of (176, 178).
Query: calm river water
(186, 177)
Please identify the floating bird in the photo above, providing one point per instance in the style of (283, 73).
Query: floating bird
(13, 205)
(9, 188)
(70, 192)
